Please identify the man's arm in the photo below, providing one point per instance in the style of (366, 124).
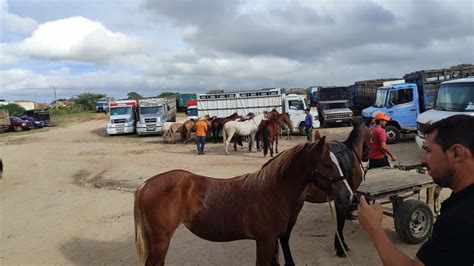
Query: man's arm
(387, 151)
(370, 218)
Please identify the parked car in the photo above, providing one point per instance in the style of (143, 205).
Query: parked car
(37, 123)
(19, 124)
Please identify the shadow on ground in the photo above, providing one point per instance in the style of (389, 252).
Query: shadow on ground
(100, 252)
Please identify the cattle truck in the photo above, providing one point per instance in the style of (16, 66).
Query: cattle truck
(122, 117)
(223, 104)
(153, 112)
(403, 102)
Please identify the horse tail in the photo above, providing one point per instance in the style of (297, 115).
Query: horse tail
(266, 142)
(141, 235)
(290, 124)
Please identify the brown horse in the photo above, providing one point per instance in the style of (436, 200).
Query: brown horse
(188, 127)
(285, 122)
(269, 131)
(355, 149)
(174, 128)
(262, 206)
(218, 123)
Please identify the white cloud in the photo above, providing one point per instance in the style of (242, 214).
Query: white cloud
(78, 38)
(14, 23)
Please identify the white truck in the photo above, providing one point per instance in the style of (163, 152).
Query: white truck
(223, 104)
(454, 97)
(153, 112)
(122, 117)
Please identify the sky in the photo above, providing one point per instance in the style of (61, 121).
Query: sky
(152, 46)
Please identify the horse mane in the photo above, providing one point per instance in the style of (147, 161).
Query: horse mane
(272, 170)
(350, 141)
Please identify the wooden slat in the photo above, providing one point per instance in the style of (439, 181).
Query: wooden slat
(383, 181)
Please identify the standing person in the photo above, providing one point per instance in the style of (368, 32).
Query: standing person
(201, 130)
(449, 156)
(378, 149)
(308, 125)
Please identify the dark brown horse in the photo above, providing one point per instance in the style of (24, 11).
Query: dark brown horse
(285, 122)
(263, 205)
(218, 123)
(356, 146)
(269, 132)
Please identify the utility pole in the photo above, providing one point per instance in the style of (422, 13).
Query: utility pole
(55, 98)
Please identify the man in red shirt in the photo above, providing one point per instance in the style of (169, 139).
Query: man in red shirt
(378, 148)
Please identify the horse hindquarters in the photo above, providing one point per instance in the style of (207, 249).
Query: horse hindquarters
(152, 232)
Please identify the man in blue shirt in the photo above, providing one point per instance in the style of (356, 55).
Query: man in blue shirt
(308, 124)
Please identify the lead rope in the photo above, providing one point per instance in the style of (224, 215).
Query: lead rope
(337, 233)
(360, 162)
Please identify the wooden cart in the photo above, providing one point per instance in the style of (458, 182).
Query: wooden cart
(413, 218)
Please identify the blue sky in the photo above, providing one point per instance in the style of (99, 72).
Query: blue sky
(151, 46)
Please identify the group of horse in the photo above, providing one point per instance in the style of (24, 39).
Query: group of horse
(266, 128)
(263, 206)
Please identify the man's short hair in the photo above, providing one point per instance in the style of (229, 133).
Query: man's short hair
(456, 129)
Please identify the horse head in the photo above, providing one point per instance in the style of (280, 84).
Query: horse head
(327, 174)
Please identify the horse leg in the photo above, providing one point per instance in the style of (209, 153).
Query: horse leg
(341, 214)
(271, 145)
(276, 145)
(266, 251)
(158, 250)
(251, 143)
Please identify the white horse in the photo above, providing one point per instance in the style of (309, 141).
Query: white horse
(245, 128)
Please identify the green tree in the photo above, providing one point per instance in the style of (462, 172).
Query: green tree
(13, 109)
(134, 96)
(88, 100)
(168, 94)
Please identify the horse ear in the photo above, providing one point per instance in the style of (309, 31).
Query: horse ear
(319, 146)
(317, 136)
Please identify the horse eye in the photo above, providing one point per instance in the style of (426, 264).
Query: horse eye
(327, 166)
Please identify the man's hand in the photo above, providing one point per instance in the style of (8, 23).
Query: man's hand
(370, 216)
(394, 158)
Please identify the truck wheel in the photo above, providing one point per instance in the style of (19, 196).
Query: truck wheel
(18, 128)
(413, 221)
(302, 129)
(393, 134)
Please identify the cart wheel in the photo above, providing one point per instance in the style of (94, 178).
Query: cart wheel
(413, 221)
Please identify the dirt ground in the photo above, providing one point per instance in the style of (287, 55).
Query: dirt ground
(66, 198)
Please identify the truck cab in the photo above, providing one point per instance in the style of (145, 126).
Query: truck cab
(454, 97)
(122, 117)
(102, 106)
(401, 102)
(152, 113)
(295, 105)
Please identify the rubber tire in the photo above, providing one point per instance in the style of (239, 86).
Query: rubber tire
(391, 130)
(302, 129)
(403, 219)
(18, 128)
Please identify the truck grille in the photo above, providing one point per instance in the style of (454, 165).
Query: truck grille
(421, 128)
(338, 116)
(119, 121)
(150, 120)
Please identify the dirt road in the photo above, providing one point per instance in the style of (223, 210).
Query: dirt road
(66, 199)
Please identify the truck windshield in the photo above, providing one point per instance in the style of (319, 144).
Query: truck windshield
(121, 111)
(457, 97)
(192, 112)
(339, 105)
(380, 98)
(101, 104)
(151, 110)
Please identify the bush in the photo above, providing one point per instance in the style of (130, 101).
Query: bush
(13, 109)
(88, 100)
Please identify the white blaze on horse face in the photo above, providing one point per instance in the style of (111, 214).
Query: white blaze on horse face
(336, 162)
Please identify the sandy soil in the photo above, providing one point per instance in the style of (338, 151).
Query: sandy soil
(66, 198)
